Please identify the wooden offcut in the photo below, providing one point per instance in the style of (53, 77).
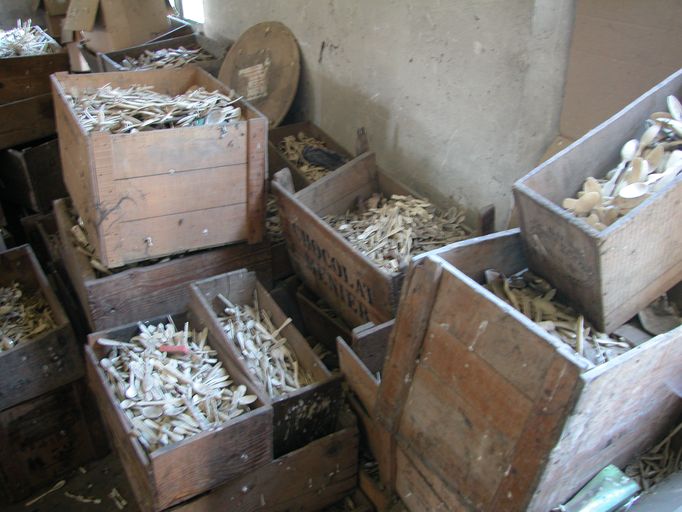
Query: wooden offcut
(182, 470)
(497, 414)
(161, 192)
(612, 274)
(299, 416)
(147, 290)
(49, 360)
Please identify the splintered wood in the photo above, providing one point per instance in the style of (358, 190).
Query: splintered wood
(170, 384)
(647, 166)
(390, 231)
(140, 108)
(661, 461)
(266, 352)
(536, 299)
(165, 58)
(313, 158)
(22, 316)
(25, 40)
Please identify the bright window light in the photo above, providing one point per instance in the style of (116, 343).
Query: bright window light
(193, 10)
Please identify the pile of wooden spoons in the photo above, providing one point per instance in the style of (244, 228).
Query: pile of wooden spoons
(165, 58)
(22, 316)
(661, 461)
(536, 299)
(140, 108)
(647, 166)
(25, 40)
(170, 384)
(297, 149)
(390, 231)
(268, 355)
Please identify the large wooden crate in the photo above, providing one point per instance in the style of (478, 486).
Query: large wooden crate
(181, 471)
(306, 480)
(302, 415)
(51, 359)
(613, 274)
(156, 193)
(32, 176)
(26, 111)
(46, 438)
(277, 160)
(501, 414)
(111, 61)
(149, 290)
(321, 323)
(328, 264)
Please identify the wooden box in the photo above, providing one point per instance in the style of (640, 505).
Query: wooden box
(306, 480)
(300, 416)
(47, 437)
(51, 359)
(613, 274)
(324, 325)
(328, 264)
(26, 111)
(40, 231)
(277, 160)
(156, 193)
(148, 290)
(32, 176)
(111, 61)
(501, 414)
(180, 471)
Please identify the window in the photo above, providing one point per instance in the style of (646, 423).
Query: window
(192, 10)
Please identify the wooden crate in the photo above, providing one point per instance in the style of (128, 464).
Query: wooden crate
(360, 363)
(26, 111)
(156, 193)
(306, 480)
(46, 438)
(32, 176)
(613, 274)
(320, 324)
(92, 58)
(277, 160)
(501, 414)
(149, 290)
(41, 233)
(327, 263)
(111, 61)
(300, 416)
(181, 471)
(51, 359)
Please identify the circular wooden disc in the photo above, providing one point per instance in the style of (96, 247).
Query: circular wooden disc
(264, 66)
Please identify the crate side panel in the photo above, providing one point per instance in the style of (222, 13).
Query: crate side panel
(26, 120)
(24, 77)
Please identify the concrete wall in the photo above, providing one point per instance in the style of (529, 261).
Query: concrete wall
(459, 98)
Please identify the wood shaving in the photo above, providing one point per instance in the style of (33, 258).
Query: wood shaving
(661, 461)
(536, 299)
(26, 40)
(647, 166)
(165, 58)
(391, 231)
(268, 355)
(22, 316)
(140, 108)
(170, 384)
(294, 148)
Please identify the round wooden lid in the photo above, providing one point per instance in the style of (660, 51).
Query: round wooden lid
(264, 66)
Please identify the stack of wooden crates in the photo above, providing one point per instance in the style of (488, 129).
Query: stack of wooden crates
(475, 407)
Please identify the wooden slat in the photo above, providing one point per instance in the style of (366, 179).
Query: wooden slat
(360, 380)
(256, 179)
(26, 120)
(370, 343)
(415, 491)
(25, 77)
(306, 480)
(157, 152)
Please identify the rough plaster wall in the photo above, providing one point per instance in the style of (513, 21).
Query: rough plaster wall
(460, 98)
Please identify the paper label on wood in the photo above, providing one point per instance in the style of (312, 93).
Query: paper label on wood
(256, 77)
